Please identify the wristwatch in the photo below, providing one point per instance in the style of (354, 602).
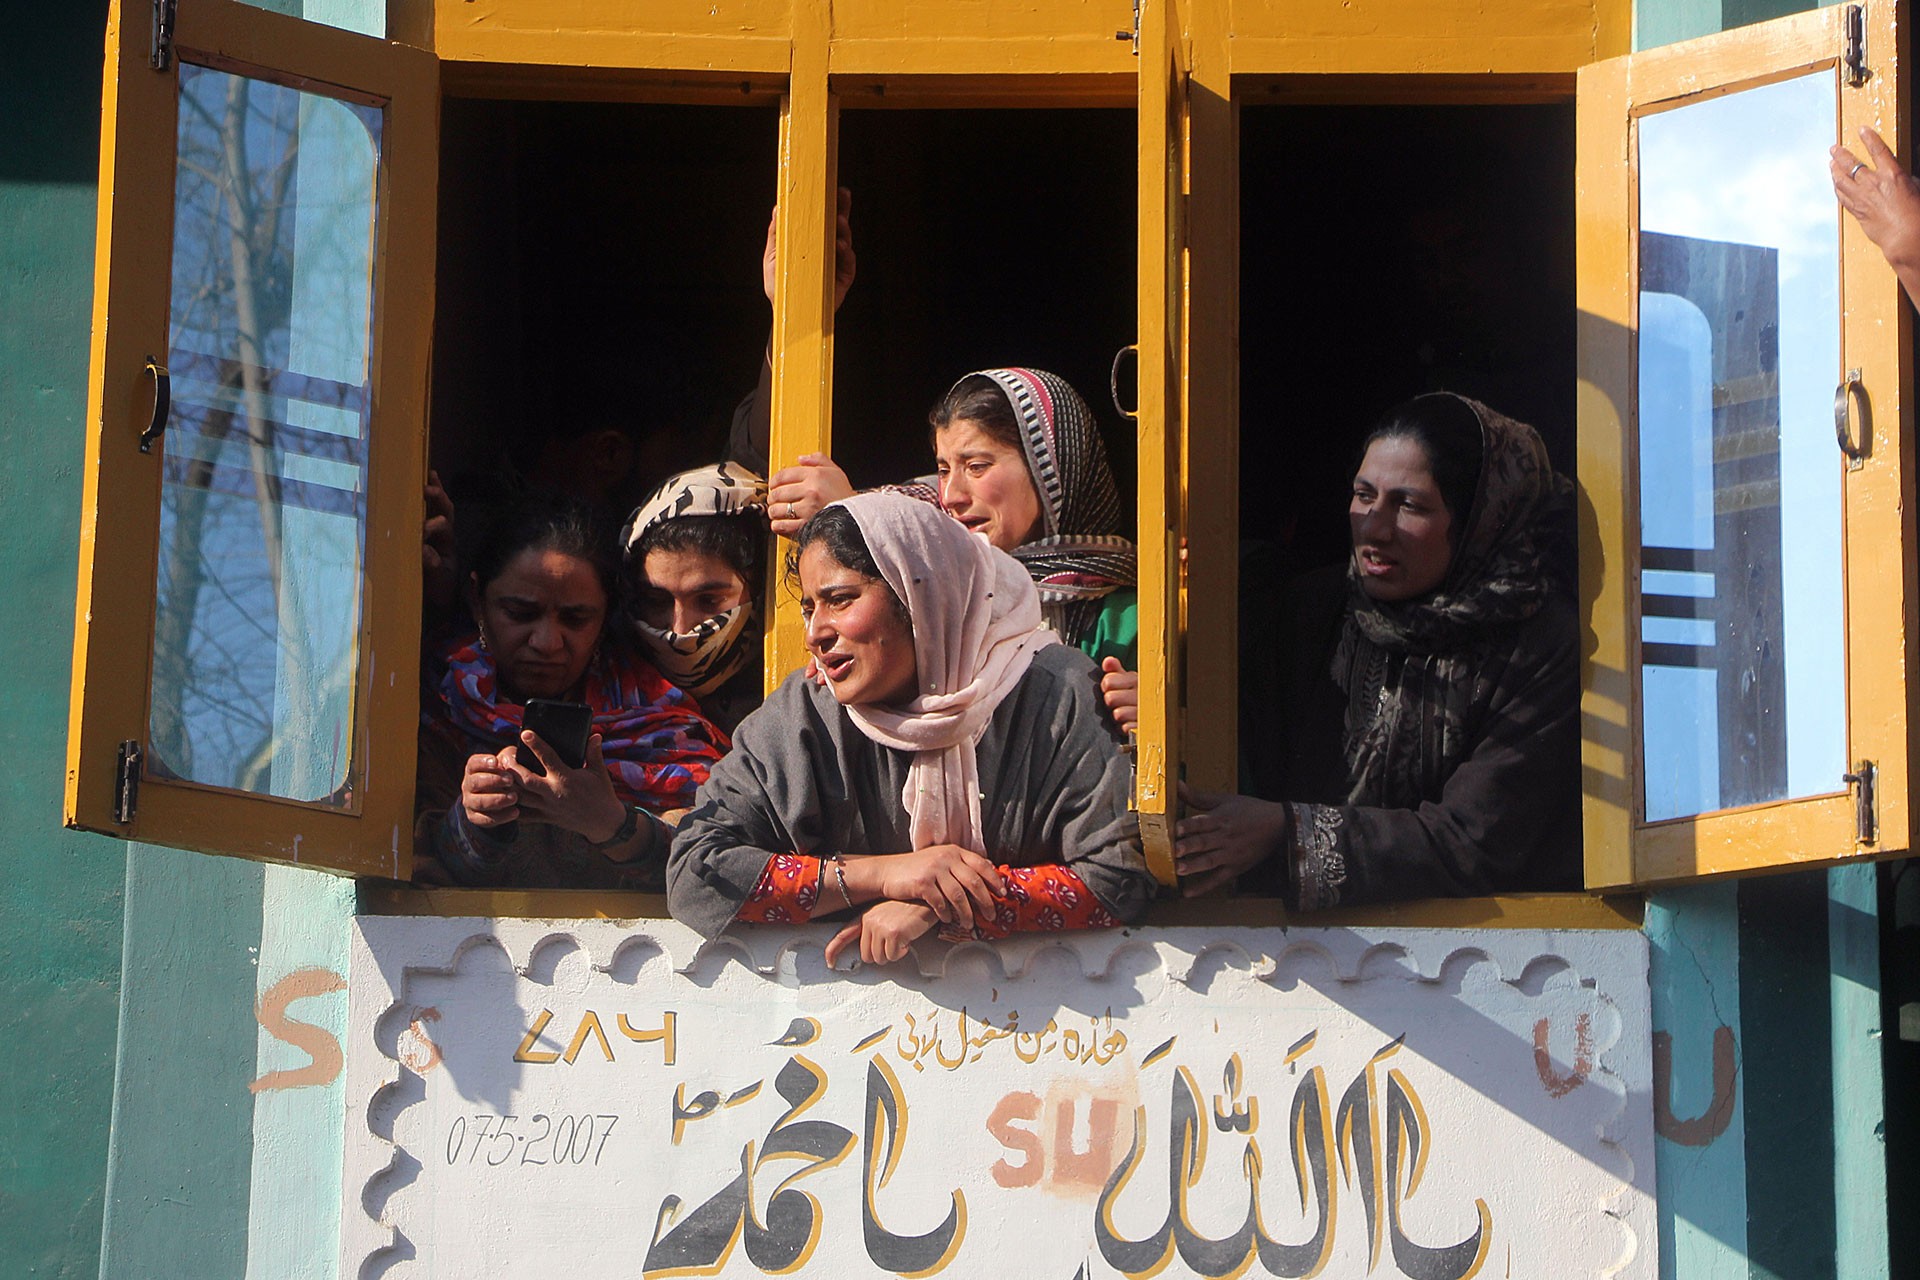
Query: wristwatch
(625, 832)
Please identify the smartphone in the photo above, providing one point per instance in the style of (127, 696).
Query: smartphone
(563, 726)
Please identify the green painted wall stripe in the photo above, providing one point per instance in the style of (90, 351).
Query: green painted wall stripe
(1694, 937)
(1859, 1143)
(60, 920)
(1787, 1069)
(177, 1182)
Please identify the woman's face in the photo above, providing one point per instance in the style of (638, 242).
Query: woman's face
(686, 586)
(985, 485)
(541, 616)
(857, 637)
(1401, 528)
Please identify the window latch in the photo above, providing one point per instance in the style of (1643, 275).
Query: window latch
(126, 786)
(1855, 56)
(1865, 827)
(161, 56)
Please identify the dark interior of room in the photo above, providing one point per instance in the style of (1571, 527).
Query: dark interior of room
(599, 265)
(1387, 251)
(985, 238)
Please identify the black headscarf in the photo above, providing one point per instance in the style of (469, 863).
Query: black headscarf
(1410, 667)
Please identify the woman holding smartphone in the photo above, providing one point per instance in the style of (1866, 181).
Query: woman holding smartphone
(498, 804)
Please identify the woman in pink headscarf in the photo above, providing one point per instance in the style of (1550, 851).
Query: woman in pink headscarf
(954, 770)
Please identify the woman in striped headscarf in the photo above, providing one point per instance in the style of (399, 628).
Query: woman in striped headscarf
(1021, 462)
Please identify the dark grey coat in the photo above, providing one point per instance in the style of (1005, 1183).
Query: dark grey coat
(802, 779)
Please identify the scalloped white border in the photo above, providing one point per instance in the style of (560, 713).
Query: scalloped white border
(395, 946)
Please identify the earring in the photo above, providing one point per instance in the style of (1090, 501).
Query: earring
(483, 637)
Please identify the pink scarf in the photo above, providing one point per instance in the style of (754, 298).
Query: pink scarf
(976, 626)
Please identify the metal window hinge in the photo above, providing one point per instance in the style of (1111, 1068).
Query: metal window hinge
(1133, 35)
(1855, 53)
(1866, 827)
(126, 784)
(162, 53)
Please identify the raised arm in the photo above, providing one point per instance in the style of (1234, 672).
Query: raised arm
(749, 440)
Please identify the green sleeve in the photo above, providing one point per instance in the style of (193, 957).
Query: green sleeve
(1115, 631)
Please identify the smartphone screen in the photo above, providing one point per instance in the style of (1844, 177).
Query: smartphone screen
(563, 726)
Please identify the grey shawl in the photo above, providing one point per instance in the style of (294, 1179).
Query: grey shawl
(802, 779)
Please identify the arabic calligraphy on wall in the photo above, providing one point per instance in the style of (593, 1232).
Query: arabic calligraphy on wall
(719, 1123)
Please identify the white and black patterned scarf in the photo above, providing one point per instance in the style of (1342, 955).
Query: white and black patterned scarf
(703, 659)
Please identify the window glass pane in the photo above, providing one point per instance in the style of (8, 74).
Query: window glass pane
(1743, 677)
(262, 525)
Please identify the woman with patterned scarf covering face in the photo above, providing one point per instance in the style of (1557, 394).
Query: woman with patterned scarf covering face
(693, 551)
(1429, 732)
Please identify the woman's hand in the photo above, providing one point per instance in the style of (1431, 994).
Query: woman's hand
(1228, 836)
(796, 493)
(1878, 191)
(1120, 688)
(950, 881)
(441, 572)
(581, 800)
(885, 932)
(843, 260)
(490, 790)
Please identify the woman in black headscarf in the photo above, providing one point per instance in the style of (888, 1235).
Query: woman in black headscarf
(1429, 735)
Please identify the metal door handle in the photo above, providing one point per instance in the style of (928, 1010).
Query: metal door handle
(162, 402)
(1850, 390)
(1113, 381)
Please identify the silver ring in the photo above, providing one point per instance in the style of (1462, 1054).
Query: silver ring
(1856, 168)
(790, 510)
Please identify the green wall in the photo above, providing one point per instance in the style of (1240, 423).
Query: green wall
(60, 892)
(1658, 22)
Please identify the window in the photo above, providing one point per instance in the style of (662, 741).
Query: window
(271, 235)
(244, 660)
(1745, 701)
(598, 269)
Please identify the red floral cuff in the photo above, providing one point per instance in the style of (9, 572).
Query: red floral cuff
(787, 892)
(1043, 898)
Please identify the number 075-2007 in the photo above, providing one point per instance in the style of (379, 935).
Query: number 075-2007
(546, 1140)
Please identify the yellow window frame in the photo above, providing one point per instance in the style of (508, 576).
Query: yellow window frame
(1160, 421)
(120, 516)
(1187, 57)
(1622, 847)
(817, 53)
(924, 72)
